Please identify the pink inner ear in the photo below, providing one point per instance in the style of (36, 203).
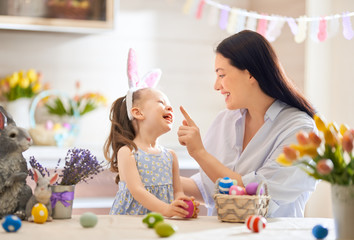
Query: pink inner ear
(133, 76)
(2, 121)
(54, 179)
(152, 78)
(35, 175)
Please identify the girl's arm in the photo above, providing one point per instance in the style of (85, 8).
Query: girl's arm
(177, 186)
(129, 173)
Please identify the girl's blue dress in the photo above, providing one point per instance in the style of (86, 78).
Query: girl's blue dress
(155, 173)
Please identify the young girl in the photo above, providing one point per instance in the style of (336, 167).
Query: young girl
(148, 173)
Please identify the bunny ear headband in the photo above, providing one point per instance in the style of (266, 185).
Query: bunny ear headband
(149, 80)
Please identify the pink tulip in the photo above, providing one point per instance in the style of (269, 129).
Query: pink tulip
(324, 166)
(347, 141)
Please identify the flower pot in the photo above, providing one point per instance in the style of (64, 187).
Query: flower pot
(62, 201)
(19, 110)
(343, 211)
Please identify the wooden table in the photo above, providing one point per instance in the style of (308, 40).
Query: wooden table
(131, 227)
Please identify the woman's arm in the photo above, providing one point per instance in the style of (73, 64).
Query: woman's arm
(189, 136)
(130, 174)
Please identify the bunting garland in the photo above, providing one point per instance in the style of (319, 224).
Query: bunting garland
(234, 20)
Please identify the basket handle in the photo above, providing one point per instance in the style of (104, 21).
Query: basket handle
(259, 188)
(216, 190)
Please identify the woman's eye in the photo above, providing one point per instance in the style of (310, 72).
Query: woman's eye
(221, 76)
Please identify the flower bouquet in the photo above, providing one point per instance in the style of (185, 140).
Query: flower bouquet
(328, 156)
(20, 85)
(85, 103)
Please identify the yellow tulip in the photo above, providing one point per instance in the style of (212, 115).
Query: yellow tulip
(330, 137)
(32, 75)
(24, 82)
(13, 81)
(303, 150)
(281, 159)
(343, 128)
(36, 87)
(334, 126)
(320, 124)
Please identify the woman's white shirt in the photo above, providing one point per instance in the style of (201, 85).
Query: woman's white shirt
(289, 187)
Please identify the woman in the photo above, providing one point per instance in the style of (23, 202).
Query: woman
(264, 113)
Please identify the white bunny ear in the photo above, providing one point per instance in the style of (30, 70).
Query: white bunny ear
(132, 69)
(152, 78)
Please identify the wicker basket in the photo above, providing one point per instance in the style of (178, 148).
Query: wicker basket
(64, 137)
(236, 208)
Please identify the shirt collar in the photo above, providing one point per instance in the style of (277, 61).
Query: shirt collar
(274, 110)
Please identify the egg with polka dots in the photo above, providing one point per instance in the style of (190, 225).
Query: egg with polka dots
(39, 213)
(11, 223)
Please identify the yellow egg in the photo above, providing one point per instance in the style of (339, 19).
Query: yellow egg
(39, 213)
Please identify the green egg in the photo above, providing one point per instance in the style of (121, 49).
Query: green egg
(88, 220)
(164, 229)
(152, 218)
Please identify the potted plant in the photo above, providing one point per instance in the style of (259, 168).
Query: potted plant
(17, 90)
(328, 156)
(79, 166)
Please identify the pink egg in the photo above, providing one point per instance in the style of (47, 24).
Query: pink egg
(49, 125)
(251, 188)
(256, 223)
(190, 208)
(237, 190)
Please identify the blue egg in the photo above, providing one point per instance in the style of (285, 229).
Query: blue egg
(225, 184)
(11, 223)
(319, 231)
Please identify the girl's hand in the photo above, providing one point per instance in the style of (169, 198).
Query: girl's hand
(176, 208)
(196, 204)
(189, 135)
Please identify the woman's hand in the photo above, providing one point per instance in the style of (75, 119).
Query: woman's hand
(189, 135)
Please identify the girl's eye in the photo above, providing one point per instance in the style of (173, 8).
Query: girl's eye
(160, 101)
(221, 76)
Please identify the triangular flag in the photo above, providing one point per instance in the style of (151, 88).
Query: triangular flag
(301, 32)
(322, 30)
(224, 16)
(213, 16)
(293, 26)
(241, 20)
(198, 15)
(314, 25)
(274, 29)
(231, 26)
(347, 27)
(262, 25)
(251, 23)
(333, 27)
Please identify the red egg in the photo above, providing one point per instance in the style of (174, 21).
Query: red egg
(256, 223)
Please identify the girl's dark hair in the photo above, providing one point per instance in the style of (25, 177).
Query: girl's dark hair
(122, 132)
(248, 50)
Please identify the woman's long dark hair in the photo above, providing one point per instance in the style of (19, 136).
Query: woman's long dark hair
(248, 50)
(122, 132)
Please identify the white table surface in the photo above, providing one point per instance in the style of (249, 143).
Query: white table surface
(131, 227)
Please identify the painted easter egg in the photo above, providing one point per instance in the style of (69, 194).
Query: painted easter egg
(152, 218)
(191, 208)
(225, 184)
(11, 223)
(251, 188)
(88, 220)
(164, 229)
(319, 232)
(237, 190)
(256, 223)
(39, 213)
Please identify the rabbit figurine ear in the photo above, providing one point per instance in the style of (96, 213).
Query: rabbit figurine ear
(54, 179)
(3, 119)
(35, 174)
(152, 78)
(132, 69)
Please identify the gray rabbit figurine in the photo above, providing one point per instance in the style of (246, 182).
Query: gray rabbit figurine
(14, 192)
(41, 194)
